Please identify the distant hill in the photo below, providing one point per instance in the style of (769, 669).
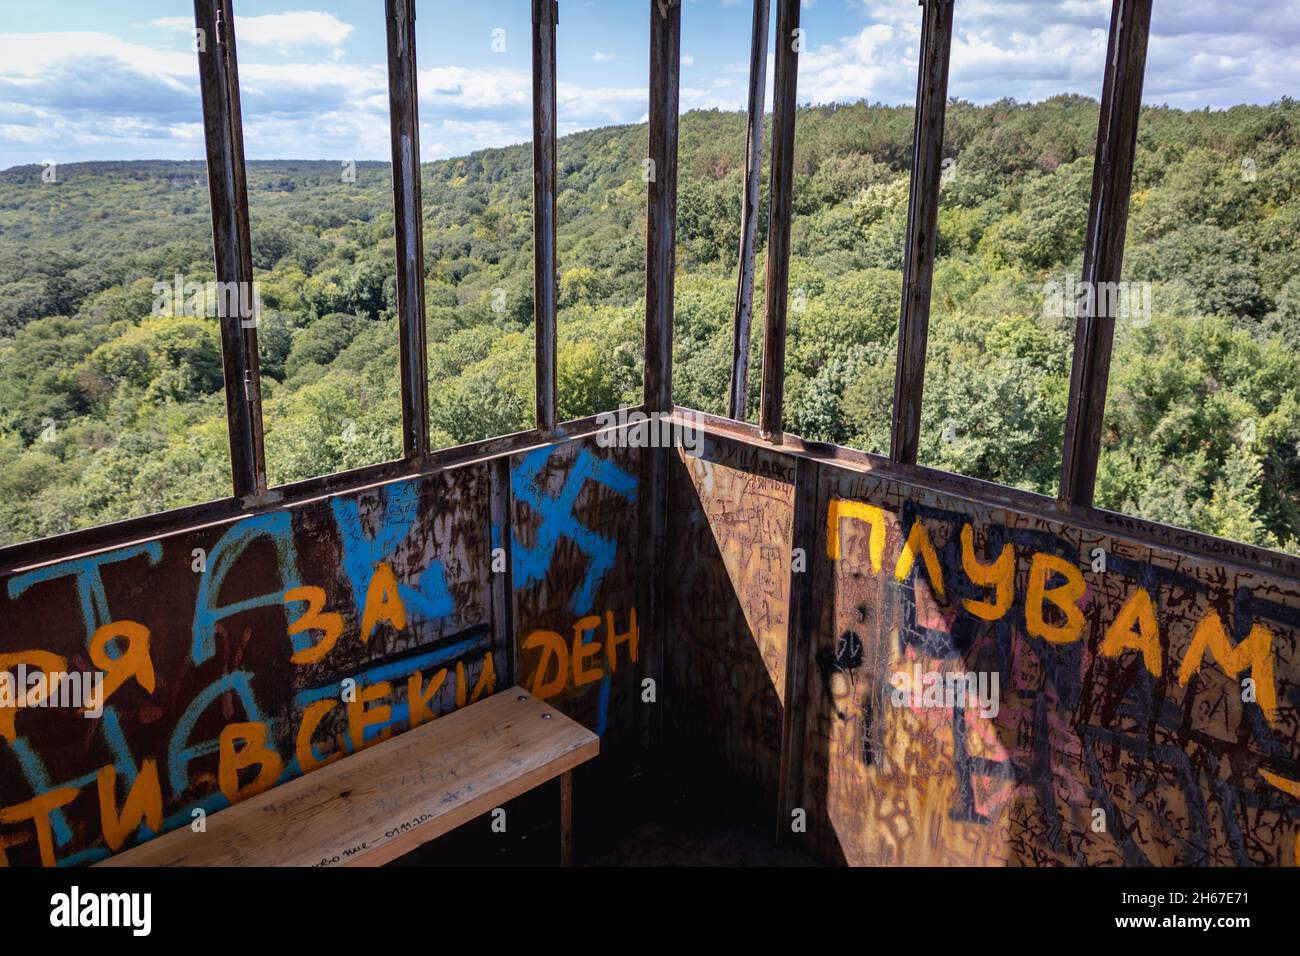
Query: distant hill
(110, 408)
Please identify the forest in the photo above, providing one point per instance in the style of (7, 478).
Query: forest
(112, 404)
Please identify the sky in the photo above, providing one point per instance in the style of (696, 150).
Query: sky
(117, 79)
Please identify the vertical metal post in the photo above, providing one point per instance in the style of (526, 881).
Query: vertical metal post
(545, 17)
(922, 229)
(739, 396)
(408, 219)
(661, 208)
(661, 240)
(1103, 256)
(785, 83)
(232, 250)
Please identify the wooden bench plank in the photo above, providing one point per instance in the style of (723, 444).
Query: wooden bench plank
(373, 806)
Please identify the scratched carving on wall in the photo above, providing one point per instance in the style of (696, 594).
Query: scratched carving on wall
(574, 553)
(1146, 703)
(730, 549)
(227, 653)
(1147, 707)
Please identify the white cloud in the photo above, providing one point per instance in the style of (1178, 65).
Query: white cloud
(32, 54)
(1201, 52)
(174, 24)
(93, 95)
(600, 57)
(285, 31)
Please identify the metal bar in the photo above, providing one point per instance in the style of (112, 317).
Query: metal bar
(404, 125)
(546, 15)
(503, 590)
(739, 397)
(661, 208)
(566, 818)
(922, 229)
(232, 249)
(784, 89)
(1103, 256)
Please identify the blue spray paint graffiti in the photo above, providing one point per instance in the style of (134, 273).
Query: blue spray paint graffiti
(278, 527)
(559, 521)
(92, 600)
(362, 552)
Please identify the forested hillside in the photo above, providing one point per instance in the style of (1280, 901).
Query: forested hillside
(111, 406)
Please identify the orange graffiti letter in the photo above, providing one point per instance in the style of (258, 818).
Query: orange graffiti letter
(419, 694)
(553, 648)
(254, 752)
(383, 603)
(1255, 654)
(632, 638)
(1121, 636)
(1065, 596)
(43, 661)
(311, 718)
(583, 650)
(315, 618)
(134, 661)
(38, 810)
(360, 717)
(860, 511)
(143, 804)
(487, 680)
(918, 539)
(1000, 575)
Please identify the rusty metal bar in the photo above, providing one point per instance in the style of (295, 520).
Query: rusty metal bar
(408, 220)
(922, 229)
(785, 84)
(503, 590)
(661, 241)
(546, 14)
(1103, 256)
(661, 207)
(739, 397)
(232, 248)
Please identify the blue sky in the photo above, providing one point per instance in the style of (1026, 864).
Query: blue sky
(90, 79)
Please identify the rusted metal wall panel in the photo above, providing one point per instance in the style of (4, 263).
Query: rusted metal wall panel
(582, 643)
(248, 629)
(1119, 735)
(730, 525)
(235, 642)
(1114, 741)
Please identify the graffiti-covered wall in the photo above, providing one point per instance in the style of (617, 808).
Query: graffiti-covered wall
(581, 641)
(898, 675)
(236, 656)
(730, 546)
(973, 685)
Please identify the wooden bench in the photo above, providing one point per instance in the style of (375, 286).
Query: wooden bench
(373, 806)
